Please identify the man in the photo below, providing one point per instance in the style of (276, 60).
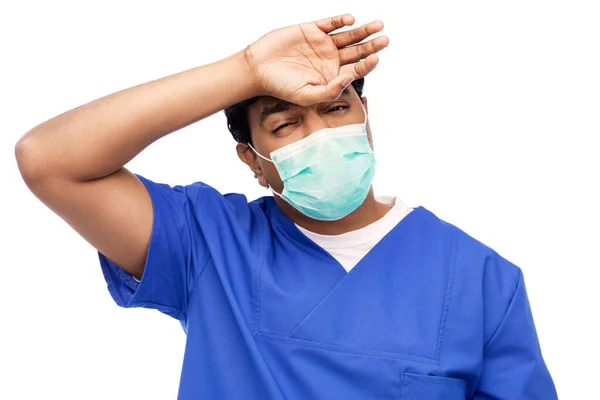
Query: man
(322, 291)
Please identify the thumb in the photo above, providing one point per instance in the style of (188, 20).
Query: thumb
(331, 91)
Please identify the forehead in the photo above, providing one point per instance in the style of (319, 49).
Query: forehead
(265, 104)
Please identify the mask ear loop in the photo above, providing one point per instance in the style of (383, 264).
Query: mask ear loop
(260, 155)
(269, 160)
(365, 112)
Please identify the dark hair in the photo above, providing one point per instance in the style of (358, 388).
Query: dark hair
(237, 115)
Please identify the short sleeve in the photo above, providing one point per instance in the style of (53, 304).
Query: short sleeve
(513, 366)
(176, 254)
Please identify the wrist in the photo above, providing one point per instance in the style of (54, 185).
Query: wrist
(245, 73)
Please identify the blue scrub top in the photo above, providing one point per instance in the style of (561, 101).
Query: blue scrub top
(429, 313)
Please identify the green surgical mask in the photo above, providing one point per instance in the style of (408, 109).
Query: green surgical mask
(328, 174)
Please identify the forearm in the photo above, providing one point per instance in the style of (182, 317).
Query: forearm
(98, 138)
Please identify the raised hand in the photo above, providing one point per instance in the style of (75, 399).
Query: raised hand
(308, 63)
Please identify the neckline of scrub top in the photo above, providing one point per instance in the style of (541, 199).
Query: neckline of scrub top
(366, 236)
(288, 228)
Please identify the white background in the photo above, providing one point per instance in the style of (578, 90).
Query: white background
(487, 113)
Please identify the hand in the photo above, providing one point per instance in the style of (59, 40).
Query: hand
(307, 64)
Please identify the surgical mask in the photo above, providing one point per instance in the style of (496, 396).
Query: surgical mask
(328, 174)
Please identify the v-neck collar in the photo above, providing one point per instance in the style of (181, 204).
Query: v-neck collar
(300, 288)
(286, 226)
(363, 237)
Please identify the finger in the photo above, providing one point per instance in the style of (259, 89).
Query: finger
(317, 94)
(361, 68)
(356, 35)
(328, 25)
(358, 52)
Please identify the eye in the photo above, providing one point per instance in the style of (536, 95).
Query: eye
(283, 126)
(337, 108)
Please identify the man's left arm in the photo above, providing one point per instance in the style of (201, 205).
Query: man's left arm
(513, 366)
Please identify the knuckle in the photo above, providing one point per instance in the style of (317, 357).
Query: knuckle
(336, 41)
(353, 35)
(361, 51)
(343, 58)
(372, 46)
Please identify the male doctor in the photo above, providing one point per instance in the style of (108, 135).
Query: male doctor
(321, 291)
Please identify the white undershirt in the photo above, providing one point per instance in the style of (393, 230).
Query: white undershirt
(350, 247)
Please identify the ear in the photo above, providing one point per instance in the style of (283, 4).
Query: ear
(248, 157)
(364, 101)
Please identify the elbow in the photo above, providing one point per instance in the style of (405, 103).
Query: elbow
(31, 161)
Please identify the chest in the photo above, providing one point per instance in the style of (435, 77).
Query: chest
(384, 330)
(393, 301)
(376, 331)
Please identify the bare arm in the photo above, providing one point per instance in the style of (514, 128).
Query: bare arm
(74, 162)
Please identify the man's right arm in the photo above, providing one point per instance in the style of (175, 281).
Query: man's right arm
(74, 162)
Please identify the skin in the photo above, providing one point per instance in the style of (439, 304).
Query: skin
(74, 162)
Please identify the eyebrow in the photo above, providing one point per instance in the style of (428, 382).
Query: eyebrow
(282, 106)
(278, 107)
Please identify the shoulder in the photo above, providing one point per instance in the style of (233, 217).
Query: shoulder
(482, 259)
(204, 204)
(483, 279)
(205, 198)
(472, 253)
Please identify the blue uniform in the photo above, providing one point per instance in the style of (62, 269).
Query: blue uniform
(429, 313)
